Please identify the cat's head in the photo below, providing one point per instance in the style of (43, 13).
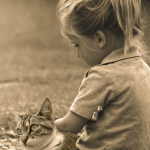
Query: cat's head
(36, 130)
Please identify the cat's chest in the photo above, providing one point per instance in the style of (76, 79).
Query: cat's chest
(64, 142)
(57, 143)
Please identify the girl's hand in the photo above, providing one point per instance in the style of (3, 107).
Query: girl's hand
(71, 123)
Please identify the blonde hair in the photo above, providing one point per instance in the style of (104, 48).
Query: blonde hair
(120, 17)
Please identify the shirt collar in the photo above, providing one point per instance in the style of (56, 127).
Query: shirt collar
(119, 54)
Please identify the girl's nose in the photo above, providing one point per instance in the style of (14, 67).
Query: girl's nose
(78, 54)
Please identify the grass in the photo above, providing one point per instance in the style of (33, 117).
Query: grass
(28, 76)
(35, 63)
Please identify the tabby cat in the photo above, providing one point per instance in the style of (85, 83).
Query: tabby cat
(38, 131)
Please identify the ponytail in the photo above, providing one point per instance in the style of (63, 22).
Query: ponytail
(128, 13)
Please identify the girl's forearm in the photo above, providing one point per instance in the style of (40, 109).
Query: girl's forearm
(60, 125)
(71, 123)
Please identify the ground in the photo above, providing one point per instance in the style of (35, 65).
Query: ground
(28, 76)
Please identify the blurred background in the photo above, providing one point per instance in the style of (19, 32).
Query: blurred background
(36, 62)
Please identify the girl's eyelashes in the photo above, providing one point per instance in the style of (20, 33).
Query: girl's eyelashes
(76, 45)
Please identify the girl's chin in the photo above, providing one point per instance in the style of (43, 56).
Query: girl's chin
(87, 63)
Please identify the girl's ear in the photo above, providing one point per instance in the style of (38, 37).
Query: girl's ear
(100, 39)
(46, 109)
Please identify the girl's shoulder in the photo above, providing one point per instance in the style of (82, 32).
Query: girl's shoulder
(101, 70)
(119, 70)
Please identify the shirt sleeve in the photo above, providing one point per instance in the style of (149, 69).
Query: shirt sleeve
(94, 94)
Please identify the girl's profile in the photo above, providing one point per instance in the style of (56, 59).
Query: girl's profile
(113, 102)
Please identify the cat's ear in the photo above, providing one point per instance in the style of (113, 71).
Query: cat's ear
(18, 116)
(46, 109)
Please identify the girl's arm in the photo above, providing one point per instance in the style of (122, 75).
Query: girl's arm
(71, 123)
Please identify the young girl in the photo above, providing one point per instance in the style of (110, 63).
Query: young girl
(113, 103)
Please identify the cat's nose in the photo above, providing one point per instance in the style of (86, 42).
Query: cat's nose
(24, 140)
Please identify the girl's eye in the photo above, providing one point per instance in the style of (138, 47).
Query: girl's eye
(19, 131)
(34, 127)
(76, 45)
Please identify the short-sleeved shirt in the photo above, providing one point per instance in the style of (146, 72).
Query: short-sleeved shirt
(115, 97)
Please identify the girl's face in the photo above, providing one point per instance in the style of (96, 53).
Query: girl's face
(88, 49)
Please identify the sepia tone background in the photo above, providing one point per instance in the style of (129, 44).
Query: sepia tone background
(36, 62)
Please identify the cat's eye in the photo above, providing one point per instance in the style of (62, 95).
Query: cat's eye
(34, 127)
(19, 131)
